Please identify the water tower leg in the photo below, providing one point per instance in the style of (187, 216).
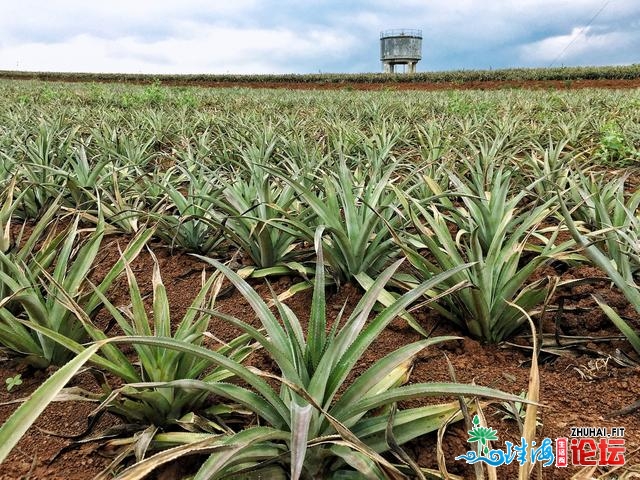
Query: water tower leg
(412, 67)
(387, 67)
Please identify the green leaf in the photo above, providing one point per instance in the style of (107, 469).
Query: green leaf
(618, 321)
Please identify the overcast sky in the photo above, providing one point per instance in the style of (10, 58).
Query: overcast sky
(289, 36)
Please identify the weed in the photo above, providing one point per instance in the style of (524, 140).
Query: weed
(13, 382)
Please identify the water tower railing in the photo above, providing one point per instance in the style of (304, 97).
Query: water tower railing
(401, 32)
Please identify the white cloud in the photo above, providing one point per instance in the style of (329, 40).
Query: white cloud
(201, 49)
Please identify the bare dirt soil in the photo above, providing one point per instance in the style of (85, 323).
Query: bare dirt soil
(349, 85)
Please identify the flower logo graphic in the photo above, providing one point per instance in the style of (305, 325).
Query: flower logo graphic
(482, 435)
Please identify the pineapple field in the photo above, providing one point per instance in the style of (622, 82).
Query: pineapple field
(244, 283)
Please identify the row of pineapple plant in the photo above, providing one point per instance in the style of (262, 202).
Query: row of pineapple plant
(173, 373)
(475, 204)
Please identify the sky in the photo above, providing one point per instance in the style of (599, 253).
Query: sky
(289, 36)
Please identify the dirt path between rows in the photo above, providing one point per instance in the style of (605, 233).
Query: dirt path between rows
(349, 85)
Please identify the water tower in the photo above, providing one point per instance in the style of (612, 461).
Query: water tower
(400, 47)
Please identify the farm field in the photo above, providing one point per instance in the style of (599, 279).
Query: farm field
(310, 282)
(620, 76)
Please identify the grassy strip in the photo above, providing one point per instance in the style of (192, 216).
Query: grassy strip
(627, 72)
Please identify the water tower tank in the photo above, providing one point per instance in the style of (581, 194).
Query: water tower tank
(400, 47)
